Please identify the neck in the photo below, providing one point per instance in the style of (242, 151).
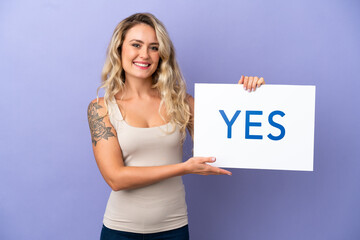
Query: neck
(138, 88)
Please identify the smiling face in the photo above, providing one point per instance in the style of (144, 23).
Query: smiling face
(139, 53)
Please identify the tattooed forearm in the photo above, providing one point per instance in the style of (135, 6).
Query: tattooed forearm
(97, 126)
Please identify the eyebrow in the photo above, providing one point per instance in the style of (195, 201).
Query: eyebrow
(137, 40)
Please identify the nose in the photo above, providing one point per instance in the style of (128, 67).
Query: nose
(144, 53)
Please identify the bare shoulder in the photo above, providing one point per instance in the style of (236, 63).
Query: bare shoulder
(99, 123)
(190, 126)
(97, 107)
(190, 100)
(189, 97)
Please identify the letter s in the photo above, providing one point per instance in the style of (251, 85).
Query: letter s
(277, 125)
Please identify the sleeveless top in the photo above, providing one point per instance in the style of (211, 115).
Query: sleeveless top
(157, 207)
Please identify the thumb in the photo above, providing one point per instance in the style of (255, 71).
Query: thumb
(209, 160)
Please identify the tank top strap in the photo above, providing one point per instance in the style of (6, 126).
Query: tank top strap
(114, 112)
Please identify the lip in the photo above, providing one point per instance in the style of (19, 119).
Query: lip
(142, 62)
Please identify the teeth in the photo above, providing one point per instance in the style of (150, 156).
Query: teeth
(141, 65)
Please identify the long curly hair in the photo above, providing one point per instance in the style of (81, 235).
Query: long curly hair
(167, 78)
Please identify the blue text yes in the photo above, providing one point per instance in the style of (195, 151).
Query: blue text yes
(249, 124)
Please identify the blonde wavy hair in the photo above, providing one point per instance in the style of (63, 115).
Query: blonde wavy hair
(167, 78)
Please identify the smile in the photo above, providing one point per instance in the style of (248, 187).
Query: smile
(142, 65)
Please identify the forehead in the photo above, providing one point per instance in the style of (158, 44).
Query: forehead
(141, 32)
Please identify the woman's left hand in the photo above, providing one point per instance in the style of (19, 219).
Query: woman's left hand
(251, 83)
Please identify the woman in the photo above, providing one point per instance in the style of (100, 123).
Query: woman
(137, 132)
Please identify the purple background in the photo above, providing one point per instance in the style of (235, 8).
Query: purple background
(52, 54)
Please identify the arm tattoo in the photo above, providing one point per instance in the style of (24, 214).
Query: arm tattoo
(97, 126)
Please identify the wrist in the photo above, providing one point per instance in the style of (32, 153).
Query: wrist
(184, 168)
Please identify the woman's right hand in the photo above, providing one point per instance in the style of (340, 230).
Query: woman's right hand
(198, 165)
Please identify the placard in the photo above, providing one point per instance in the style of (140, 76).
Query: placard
(271, 128)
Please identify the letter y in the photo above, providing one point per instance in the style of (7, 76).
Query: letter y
(229, 123)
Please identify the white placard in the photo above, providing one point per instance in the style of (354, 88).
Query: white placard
(271, 128)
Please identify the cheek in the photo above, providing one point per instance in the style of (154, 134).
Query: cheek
(127, 54)
(156, 58)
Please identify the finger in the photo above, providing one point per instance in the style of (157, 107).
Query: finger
(226, 172)
(251, 79)
(241, 81)
(207, 159)
(261, 82)
(220, 171)
(246, 80)
(256, 79)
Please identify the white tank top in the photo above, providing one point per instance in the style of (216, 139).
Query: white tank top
(157, 207)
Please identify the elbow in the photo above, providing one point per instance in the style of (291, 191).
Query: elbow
(115, 186)
(119, 182)
(115, 181)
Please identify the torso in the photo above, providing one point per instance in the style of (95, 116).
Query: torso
(156, 207)
(142, 113)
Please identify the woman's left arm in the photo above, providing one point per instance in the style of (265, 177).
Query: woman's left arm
(251, 83)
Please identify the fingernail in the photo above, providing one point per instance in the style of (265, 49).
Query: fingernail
(213, 159)
(229, 174)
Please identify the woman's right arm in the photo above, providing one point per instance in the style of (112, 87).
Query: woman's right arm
(109, 158)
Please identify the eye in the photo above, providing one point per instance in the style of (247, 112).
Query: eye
(154, 48)
(135, 45)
